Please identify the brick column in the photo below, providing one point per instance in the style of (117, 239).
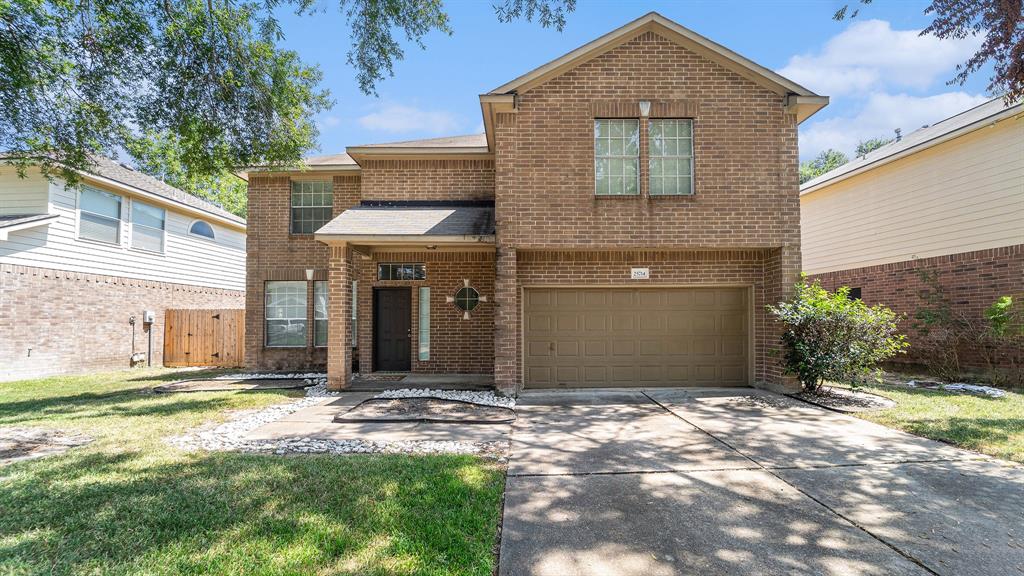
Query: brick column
(339, 314)
(506, 323)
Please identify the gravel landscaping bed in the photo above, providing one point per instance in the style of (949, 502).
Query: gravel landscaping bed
(27, 443)
(230, 435)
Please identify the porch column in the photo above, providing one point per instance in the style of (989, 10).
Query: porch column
(339, 307)
(506, 323)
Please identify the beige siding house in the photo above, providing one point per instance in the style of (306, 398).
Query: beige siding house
(948, 198)
(78, 263)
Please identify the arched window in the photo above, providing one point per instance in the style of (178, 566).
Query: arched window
(200, 228)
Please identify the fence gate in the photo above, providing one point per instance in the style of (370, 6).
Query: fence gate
(204, 337)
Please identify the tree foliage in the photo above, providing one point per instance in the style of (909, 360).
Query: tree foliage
(865, 147)
(831, 337)
(825, 161)
(1001, 22)
(160, 155)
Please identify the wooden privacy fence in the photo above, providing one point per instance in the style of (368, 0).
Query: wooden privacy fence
(204, 337)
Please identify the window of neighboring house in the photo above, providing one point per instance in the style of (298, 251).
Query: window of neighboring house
(854, 294)
(320, 313)
(671, 157)
(99, 215)
(148, 226)
(616, 157)
(311, 206)
(424, 325)
(401, 271)
(285, 313)
(355, 316)
(203, 229)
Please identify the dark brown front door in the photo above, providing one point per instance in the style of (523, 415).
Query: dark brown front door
(392, 329)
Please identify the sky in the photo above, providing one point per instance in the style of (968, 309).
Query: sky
(878, 71)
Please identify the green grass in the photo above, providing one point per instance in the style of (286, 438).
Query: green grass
(993, 426)
(129, 503)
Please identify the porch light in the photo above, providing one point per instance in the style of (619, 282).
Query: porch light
(645, 108)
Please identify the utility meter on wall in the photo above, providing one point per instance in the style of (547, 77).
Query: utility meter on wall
(148, 317)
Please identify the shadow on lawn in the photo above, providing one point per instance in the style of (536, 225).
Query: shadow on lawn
(88, 406)
(221, 513)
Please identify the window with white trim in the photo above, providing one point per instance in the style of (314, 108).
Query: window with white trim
(320, 313)
(203, 229)
(99, 215)
(424, 325)
(671, 157)
(355, 315)
(616, 157)
(285, 313)
(148, 224)
(311, 206)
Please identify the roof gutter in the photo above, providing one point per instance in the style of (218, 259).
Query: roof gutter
(490, 106)
(990, 120)
(403, 239)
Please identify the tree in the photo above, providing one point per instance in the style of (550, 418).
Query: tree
(1001, 22)
(79, 79)
(160, 155)
(865, 147)
(831, 337)
(825, 161)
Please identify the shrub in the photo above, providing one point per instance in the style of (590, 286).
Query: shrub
(828, 336)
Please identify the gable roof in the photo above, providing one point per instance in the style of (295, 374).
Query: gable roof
(673, 31)
(963, 123)
(472, 144)
(107, 169)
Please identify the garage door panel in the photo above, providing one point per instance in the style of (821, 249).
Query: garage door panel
(630, 337)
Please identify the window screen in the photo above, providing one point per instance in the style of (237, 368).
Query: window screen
(148, 226)
(99, 216)
(616, 157)
(311, 206)
(286, 314)
(671, 157)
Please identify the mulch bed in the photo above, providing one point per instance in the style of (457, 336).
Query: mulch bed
(845, 400)
(214, 385)
(426, 410)
(27, 443)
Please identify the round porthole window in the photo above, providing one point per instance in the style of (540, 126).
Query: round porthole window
(467, 298)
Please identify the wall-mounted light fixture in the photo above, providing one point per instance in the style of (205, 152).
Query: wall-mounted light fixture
(309, 273)
(645, 108)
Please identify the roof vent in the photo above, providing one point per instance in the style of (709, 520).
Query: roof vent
(899, 134)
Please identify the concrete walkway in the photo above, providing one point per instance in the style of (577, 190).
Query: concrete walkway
(666, 482)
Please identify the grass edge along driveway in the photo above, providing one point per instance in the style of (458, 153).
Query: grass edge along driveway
(130, 503)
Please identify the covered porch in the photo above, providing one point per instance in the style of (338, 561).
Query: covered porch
(411, 294)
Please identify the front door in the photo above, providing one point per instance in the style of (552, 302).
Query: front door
(392, 329)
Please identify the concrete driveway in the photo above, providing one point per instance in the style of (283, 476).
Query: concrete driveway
(666, 482)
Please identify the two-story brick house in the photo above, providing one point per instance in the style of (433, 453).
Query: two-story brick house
(627, 215)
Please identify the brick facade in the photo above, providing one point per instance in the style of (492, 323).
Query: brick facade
(972, 281)
(741, 227)
(58, 322)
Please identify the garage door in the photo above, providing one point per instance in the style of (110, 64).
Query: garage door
(600, 337)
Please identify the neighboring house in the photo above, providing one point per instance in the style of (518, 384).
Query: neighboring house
(629, 212)
(947, 199)
(77, 264)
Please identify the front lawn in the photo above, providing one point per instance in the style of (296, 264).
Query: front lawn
(128, 503)
(993, 426)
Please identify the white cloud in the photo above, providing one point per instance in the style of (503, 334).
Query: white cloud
(870, 55)
(880, 115)
(398, 118)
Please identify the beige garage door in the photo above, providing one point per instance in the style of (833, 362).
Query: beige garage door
(594, 337)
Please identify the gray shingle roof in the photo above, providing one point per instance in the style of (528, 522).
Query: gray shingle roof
(467, 141)
(107, 168)
(921, 139)
(9, 220)
(407, 220)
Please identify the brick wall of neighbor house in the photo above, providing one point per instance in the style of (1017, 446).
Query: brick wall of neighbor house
(76, 323)
(456, 345)
(273, 253)
(746, 185)
(971, 281)
(428, 179)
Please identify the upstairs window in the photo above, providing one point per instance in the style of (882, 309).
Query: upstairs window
(148, 227)
(311, 206)
(393, 271)
(99, 216)
(671, 157)
(617, 157)
(202, 229)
